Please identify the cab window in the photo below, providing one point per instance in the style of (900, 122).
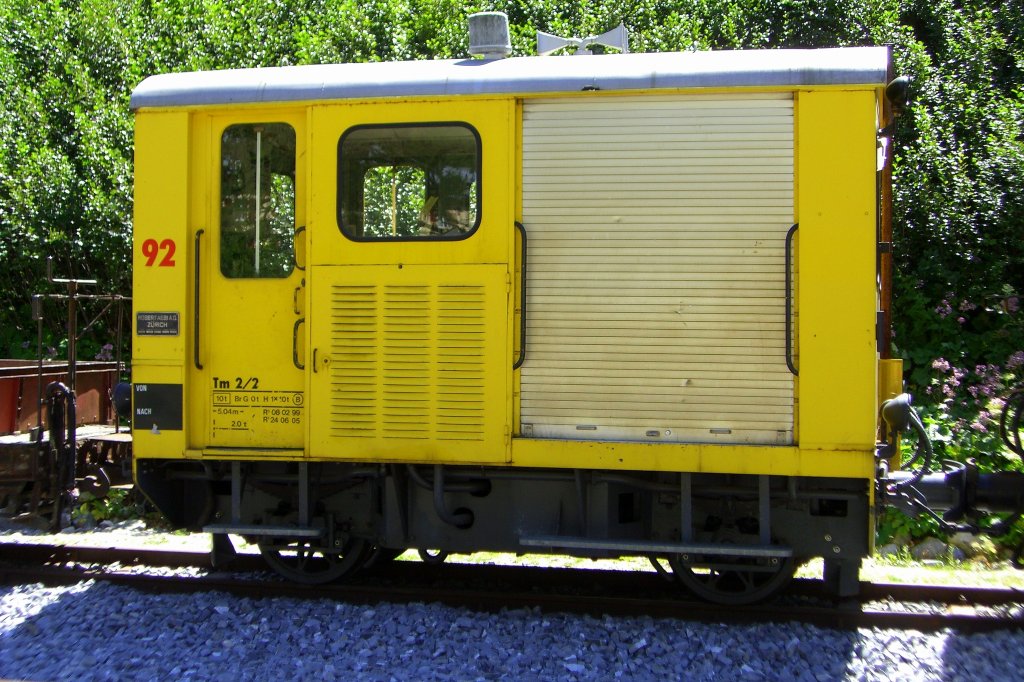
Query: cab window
(257, 200)
(409, 182)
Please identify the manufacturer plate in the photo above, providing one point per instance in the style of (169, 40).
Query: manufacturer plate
(156, 324)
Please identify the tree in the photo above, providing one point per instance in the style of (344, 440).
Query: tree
(68, 67)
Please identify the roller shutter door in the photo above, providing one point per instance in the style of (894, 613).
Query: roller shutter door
(656, 268)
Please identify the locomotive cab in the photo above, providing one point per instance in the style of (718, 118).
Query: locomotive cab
(611, 305)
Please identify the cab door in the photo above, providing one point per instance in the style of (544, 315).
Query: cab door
(248, 291)
(409, 312)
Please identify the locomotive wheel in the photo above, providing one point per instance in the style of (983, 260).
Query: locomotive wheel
(302, 561)
(736, 580)
(432, 556)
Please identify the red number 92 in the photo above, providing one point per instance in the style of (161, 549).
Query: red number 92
(151, 249)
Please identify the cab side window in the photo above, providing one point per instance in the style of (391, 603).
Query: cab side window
(257, 200)
(409, 182)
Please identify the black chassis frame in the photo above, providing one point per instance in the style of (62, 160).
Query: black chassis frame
(590, 513)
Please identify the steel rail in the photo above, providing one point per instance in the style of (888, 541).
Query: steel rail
(492, 588)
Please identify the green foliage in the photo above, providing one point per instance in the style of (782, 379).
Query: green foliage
(116, 506)
(393, 197)
(959, 208)
(895, 526)
(65, 160)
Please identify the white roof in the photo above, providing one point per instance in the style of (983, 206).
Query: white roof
(521, 75)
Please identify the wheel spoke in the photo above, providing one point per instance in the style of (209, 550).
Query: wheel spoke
(300, 561)
(733, 580)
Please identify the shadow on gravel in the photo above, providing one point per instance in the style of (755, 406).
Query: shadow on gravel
(989, 656)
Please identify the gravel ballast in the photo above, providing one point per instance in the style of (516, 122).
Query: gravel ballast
(100, 631)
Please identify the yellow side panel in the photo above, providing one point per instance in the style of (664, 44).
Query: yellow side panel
(161, 263)
(160, 223)
(837, 296)
(696, 458)
(410, 363)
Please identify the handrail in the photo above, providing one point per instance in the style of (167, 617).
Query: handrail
(789, 300)
(195, 319)
(522, 300)
(295, 344)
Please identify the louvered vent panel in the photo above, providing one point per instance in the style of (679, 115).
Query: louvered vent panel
(409, 361)
(461, 363)
(354, 404)
(656, 279)
(406, 362)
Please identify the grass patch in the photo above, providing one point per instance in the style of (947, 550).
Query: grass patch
(881, 570)
(966, 573)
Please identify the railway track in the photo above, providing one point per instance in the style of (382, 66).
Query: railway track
(492, 588)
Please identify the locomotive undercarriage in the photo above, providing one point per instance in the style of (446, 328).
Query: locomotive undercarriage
(318, 521)
(731, 538)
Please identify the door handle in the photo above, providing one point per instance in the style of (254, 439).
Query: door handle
(789, 300)
(522, 299)
(295, 344)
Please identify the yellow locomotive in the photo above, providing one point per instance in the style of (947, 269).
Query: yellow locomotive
(609, 305)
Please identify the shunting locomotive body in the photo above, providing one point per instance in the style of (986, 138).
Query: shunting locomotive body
(625, 304)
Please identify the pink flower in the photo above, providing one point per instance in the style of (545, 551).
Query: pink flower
(1015, 361)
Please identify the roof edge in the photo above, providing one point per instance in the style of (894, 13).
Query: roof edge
(520, 75)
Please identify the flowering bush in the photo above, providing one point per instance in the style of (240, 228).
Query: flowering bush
(966, 354)
(106, 352)
(961, 392)
(961, 407)
(963, 353)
